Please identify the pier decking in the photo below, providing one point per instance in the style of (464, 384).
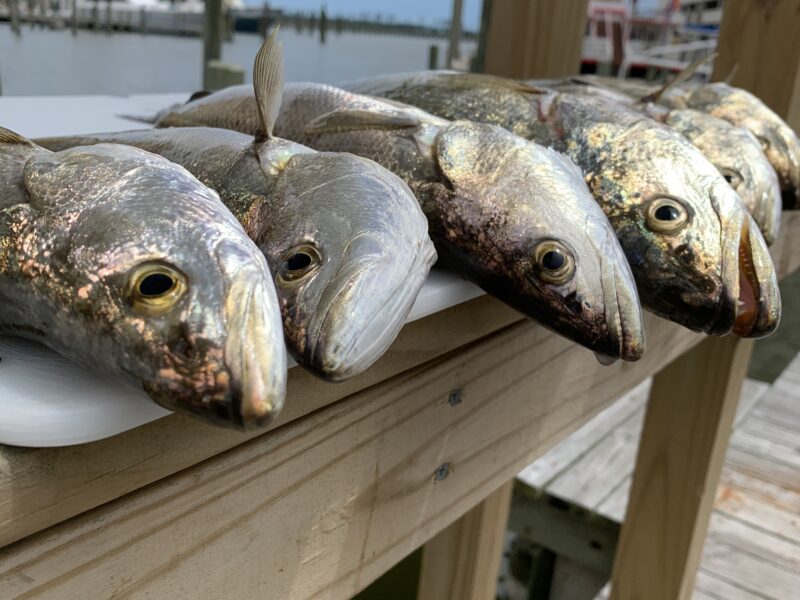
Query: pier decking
(753, 546)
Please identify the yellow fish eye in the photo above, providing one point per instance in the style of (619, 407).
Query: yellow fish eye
(666, 214)
(554, 262)
(299, 262)
(155, 287)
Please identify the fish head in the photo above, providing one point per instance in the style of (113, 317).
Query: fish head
(349, 249)
(738, 156)
(161, 283)
(696, 253)
(778, 140)
(524, 220)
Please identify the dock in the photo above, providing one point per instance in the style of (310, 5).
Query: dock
(752, 550)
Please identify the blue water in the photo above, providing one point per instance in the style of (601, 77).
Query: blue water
(42, 62)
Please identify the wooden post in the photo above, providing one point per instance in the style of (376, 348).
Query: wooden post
(479, 60)
(108, 16)
(763, 39)
(73, 21)
(433, 56)
(689, 419)
(212, 41)
(13, 10)
(453, 53)
(535, 38)
(462, 562)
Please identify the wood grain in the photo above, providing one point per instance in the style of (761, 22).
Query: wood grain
(689, 418)
(324, 505)
(40, 487)
(462, 562)
(535, 38)
(763, 39)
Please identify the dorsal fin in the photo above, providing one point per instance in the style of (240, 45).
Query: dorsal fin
(684, 75)
(268, 84)
(199, 94)
(352, 119)
(9, 137)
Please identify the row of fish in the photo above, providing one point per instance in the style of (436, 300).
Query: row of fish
(567, 202)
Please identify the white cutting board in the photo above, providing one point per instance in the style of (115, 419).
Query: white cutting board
(45, 400)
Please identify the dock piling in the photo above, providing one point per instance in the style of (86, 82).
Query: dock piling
(13, 10)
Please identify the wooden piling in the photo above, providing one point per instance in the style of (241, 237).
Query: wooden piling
(433, 57)
(212, 38)
(73, 20)
(453, 53)
(323, 25)
(108, 25)
(478, 64)
(13, 10)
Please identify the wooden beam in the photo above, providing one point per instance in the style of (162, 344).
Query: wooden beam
(689, 419)
(763, 39)
(535, 38)
(322, 506)
(42, 486)
(462, 562)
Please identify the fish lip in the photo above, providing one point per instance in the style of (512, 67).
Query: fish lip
(743, 245)
(254, 351)
(335, 365)
(623, 314)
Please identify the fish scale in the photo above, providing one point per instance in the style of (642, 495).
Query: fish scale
(633, 165)
(490, 198)
(80, 228)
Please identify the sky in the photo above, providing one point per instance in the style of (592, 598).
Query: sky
(429, 12)
(408, 11)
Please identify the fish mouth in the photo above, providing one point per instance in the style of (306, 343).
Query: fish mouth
(254, 351)
(751, 299)
(622, 309)
(367, 314)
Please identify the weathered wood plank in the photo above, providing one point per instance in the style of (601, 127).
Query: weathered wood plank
(535, 38)
(590, 479)
(769, 491)
(783, 452)
(712, 586)
(751, 539)
(763, 39)
(749, 571)
(616, 503)
(689, 418)
(760, 467)
(743, 505)
(40, 487)
(547, 468)
(322, 506)
(462, 562)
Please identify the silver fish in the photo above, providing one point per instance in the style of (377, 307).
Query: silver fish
(737, 106)
(697, 256)
(735, 152)
(512, 216)
(346, 240)
(125, 263)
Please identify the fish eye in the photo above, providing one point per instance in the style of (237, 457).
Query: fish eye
(554, 262)
(155, 287)
(666, 214)
(299, 262)
(733, 177)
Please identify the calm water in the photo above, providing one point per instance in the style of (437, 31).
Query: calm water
(56, 62)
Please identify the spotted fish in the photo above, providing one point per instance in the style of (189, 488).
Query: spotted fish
(125, 263)
(512, 216)
(346, 239)
(697, 256)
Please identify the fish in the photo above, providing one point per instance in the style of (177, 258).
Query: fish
(346, 241)
(511, 216)
(126, 264)
(735, 151)
(698, 258)
(739, 107)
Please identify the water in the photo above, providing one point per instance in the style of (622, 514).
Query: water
(43, 62)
